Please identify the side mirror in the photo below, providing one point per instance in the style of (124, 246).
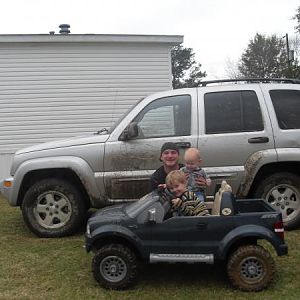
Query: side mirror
(151, 215)
(129, 132)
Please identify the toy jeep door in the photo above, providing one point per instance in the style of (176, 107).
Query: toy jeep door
(130, 162)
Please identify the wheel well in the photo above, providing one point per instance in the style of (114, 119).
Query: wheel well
(269, 169)
(116, 240)
(59, 173)
(252, 240)
(239, 243)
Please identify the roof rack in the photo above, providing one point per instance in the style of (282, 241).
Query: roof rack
(251, 80)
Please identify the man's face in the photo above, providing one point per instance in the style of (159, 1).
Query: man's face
(170, 157)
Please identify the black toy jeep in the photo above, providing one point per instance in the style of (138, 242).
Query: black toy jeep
(125, 235)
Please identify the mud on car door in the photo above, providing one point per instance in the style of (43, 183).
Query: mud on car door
(129, 163)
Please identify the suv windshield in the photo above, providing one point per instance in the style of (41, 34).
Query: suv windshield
(112, 128)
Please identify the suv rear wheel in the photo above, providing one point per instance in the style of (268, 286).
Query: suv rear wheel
(53, 208)
(282, 191)
(115, 266)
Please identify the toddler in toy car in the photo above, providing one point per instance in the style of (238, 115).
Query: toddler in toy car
(185, 202)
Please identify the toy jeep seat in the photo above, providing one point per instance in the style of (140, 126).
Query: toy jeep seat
(228, 204)
(224, 202)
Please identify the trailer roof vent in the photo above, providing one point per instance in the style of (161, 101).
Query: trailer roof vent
(64, 28)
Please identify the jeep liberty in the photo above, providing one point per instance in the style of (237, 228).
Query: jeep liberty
(248, 132)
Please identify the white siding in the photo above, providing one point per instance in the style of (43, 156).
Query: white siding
(50, 91)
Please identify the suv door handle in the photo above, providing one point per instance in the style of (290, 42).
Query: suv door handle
(183, 144)
(259, 139)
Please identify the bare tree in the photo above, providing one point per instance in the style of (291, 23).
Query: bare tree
(232, 69)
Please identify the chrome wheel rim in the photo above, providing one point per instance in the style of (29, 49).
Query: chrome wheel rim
(286, 199)
(53, 209)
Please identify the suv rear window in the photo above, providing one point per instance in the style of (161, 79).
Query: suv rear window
(287, 108)
(233, 111)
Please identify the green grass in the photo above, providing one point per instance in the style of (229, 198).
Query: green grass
(34, 268)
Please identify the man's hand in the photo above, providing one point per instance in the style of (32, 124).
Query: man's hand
(201, 181)
(162, 186)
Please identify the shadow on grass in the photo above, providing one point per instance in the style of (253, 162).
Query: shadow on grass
(183, 274)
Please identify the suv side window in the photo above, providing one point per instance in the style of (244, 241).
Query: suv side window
(165, 117)
(232, 111)
(287, 108)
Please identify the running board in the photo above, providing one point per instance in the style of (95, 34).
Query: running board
(188, 258)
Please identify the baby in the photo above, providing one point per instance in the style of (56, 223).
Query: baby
(184, 202)
(198, 180)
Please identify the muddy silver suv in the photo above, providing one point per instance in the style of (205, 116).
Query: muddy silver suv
(248, 132)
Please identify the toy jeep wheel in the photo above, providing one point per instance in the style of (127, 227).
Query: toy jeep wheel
(115, 266)
(251, 268)
(53, 208)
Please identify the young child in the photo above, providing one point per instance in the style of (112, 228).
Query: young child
(184, 201)
(198, 180)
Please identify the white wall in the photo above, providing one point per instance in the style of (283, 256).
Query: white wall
(58, 90)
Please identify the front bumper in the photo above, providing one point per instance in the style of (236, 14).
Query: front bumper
(6, 186)
(88, 243)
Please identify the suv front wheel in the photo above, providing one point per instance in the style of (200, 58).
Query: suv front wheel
(53, 208)
(282, 191)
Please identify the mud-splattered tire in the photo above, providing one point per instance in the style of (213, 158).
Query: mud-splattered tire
(53, 208)
(250, 268)
(115, 267)
(282, 191)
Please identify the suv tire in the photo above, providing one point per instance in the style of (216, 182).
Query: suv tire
(250, 268)
(282, 191)
(53, 208)
(115, 266)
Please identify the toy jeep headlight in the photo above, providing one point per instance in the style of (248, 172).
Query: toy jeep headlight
(88, 230)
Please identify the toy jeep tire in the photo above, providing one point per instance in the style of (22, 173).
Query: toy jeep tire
(251, 268)
(53, 208)
(115, 267)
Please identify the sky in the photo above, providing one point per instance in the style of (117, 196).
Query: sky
(218, 31)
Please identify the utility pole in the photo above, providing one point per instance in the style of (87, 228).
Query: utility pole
(290, 53)
(288, 50)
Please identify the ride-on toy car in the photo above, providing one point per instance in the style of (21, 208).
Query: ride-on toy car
(123, 236)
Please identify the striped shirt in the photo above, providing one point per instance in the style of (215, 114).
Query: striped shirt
(191, 206)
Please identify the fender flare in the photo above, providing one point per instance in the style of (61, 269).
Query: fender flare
(248, 231)
(116, 231)
(79, 166)
(253, 164)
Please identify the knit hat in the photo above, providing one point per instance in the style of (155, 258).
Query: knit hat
(169, 146)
